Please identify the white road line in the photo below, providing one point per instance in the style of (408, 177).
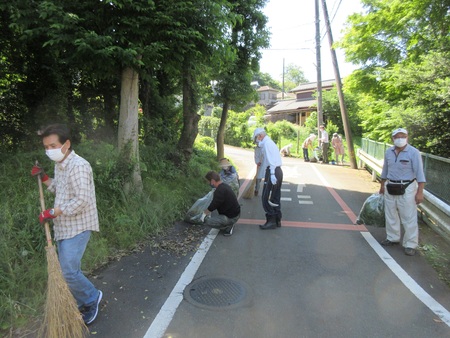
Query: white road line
(406, 279)
(288, 199)
(303, 196)
(305, 202)
(286, 190)
(300, 187)
(167, 311)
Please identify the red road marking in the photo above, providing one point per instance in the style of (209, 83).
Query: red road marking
(345, 208)
(311, 225)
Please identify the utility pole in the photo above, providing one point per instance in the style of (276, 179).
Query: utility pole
(282, 88)
(318, 69)
(345, 121)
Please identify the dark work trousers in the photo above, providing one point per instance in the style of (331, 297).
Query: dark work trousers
(325, 152)
(276, 193)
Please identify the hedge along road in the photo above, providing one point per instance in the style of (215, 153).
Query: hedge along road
(319, 275)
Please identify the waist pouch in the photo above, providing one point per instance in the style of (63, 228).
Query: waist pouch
(397, 188)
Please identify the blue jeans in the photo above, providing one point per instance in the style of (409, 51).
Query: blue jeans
(70, 252)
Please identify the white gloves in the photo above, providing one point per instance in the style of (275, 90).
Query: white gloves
(273, 179)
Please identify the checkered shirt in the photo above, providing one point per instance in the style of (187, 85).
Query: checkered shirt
(73, 186)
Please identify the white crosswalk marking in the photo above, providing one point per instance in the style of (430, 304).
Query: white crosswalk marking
(305, 202)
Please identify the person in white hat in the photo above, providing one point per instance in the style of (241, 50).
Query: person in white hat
(402, 183)
(272, 180)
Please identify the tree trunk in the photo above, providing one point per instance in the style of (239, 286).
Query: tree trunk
(190, 116)
(221, 131)
(129, 128)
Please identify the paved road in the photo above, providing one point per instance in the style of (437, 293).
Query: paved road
(319, 275)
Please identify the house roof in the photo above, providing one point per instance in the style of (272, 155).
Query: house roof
(291, 106)
(266, 88)
(312, 85)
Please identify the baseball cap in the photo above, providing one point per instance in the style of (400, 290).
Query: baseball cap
(257, 132)
(399, 130)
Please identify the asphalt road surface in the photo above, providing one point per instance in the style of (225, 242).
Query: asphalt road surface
(319, 275)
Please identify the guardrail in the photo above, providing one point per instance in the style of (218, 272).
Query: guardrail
(434, 212)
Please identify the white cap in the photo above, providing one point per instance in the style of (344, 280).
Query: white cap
(399, 130)
(258, 131)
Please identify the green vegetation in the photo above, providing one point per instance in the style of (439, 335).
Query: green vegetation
(125, 220)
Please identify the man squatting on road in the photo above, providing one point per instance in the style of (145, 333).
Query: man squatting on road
(74, 214)
(403, 178)
(272, 181)
(226, 203)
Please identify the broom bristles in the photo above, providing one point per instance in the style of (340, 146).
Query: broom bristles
(61, 317)
(250, 191)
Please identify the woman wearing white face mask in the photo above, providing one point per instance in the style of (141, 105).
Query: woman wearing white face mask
(402, 183)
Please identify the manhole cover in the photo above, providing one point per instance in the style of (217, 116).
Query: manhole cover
(216, 293)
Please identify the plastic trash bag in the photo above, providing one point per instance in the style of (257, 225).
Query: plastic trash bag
(372, 211)
(194, 214)
(232, 179)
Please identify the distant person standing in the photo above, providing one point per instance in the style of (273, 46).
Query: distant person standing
(308, 144)
(404, 180)
(272, 180)
(338, 146)
(324, 142)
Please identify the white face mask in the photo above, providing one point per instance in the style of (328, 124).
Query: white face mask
(55, 154)
(400, 142)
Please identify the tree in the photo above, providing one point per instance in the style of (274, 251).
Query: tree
(295, 75)
(402, 78)
(248, 35)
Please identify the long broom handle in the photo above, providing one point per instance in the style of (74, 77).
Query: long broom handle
(46, 225)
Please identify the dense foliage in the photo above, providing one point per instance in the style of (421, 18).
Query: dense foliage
(403, 48)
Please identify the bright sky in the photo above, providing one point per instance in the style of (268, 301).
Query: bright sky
(292, 24)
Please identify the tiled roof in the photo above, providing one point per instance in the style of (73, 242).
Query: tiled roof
(292, 106)
(312, 85)
(266, 88)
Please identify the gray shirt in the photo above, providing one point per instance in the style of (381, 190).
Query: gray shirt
(405, 166)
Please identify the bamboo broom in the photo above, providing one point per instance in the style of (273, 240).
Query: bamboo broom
(250, 191)
(62, 319)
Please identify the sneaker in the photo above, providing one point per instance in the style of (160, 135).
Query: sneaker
(89, 313)
(410, 251)
(228, 231)
(387, 242)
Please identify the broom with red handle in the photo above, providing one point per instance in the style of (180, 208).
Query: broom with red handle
(62, 319)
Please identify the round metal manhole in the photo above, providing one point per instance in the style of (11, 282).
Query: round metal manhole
(216, 293)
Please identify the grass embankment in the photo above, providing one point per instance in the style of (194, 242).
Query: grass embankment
(125, 221)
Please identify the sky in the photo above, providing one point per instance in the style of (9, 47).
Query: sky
(293, 37)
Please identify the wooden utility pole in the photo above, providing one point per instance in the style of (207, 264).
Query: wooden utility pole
(318, 69)
(282, 89)
(345, 121)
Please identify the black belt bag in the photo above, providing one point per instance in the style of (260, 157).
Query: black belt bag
(397, 188)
